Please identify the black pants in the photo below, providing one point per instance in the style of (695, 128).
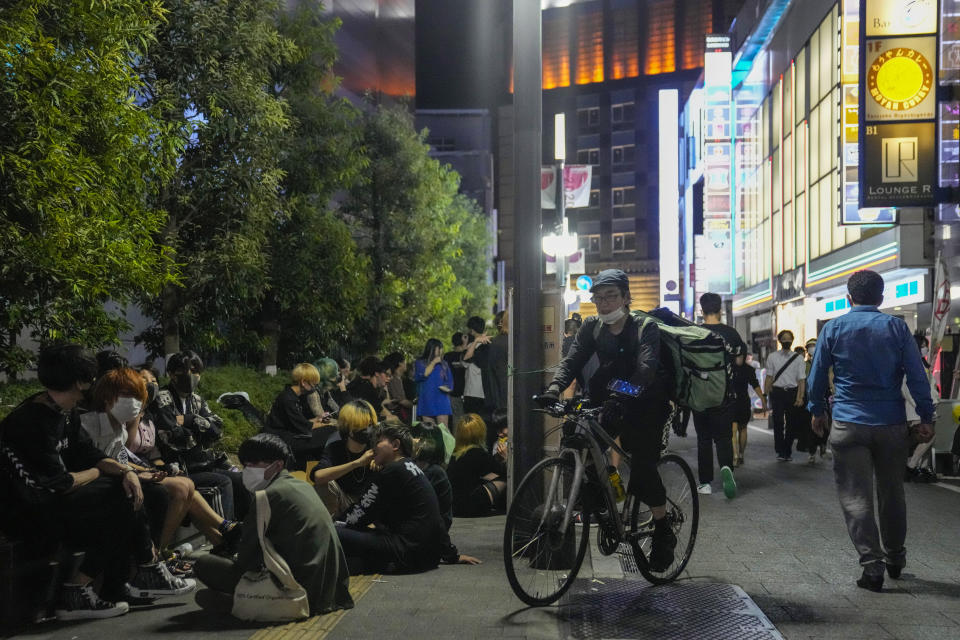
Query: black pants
(641, 430)
(223, 484)
(372, 550)
(99, 520)
(785, 418)
(714, 428)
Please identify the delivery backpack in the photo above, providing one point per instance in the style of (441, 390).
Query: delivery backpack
(698, 360)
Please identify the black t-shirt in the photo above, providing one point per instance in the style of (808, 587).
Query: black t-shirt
(466, 473)
(335, 453)
(363, 389)
(730, 335)
(455, 360)
(286, 416)
(744, 377)
(400, 500)
(48, 444)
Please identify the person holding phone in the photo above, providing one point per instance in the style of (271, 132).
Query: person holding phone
(434, 380)
(627, 350)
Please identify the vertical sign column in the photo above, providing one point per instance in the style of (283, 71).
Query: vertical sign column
(898, 106)
(669, 194)
(717, 241)
(850, 109)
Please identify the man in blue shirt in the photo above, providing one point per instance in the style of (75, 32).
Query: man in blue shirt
(870, 352)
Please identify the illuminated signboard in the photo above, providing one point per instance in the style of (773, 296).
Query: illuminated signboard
(898, 161)
(850, 119)
(901, 17)
(669, 191)
(716, 126)
(896, 293)
(899, 78)
(950, 42)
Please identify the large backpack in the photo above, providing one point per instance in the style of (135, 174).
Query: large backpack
(698, 359)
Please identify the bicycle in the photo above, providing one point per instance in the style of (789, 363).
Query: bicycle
(548, 524)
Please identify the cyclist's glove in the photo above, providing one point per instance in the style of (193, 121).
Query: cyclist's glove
(550, 396)
(611, 412)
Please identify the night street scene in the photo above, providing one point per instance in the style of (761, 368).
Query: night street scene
(480, 319)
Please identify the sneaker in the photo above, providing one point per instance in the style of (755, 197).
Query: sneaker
(661, 552)
(812, 459)
(782, 459)
(154, 580)
(80, 602)
(729, 484)
(705, 489)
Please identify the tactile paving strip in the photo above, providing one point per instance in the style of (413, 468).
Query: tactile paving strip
(690, 611)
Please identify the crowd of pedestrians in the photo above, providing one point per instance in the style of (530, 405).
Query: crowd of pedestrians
(349, 473)
(362, 470)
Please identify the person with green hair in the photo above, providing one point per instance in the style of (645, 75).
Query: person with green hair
(319, 403)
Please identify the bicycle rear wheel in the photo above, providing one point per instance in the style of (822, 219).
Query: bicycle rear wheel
(541, 558)
(683, 514)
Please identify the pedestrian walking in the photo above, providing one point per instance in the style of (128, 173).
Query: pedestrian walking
(807, 440)
(744, 378)
(714, 426)
(785, 385)
(870, 353)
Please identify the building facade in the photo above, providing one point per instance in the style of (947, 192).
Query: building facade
(772, 184)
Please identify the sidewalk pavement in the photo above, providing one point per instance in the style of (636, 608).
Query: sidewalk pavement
(782, 540)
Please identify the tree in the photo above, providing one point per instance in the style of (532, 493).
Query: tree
(318, 282)
(78, 155)
(211, 63)
(406, 215)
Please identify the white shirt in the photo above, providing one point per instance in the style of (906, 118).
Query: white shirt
(109, 440)
(792, 375)
(472, 382)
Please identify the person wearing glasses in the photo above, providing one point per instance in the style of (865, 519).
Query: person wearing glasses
(627, 350)
(344, 469)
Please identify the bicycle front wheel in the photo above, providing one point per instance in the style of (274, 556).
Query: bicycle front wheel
(683, 514)
(542, 557)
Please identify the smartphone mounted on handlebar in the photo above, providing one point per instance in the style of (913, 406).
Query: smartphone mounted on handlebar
(624, 388)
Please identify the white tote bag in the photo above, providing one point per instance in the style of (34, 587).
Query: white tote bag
(271, 594)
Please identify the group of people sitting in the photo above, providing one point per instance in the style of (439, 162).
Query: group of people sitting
(106, 462)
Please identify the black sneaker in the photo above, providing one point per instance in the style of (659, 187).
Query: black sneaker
(661, 552)
(894, 571)
(155, 580)
(81, 602)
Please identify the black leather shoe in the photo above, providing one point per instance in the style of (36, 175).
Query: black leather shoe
(894, 571)
(872, 583)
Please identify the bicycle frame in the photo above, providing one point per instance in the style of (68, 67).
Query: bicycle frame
(593, 434)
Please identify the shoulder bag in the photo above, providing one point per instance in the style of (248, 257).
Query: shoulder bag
(271, 594)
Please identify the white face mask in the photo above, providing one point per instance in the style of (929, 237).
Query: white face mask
(253, 478)
(613, 317)
(126, 409)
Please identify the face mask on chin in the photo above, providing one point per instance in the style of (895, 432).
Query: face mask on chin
(613, 317)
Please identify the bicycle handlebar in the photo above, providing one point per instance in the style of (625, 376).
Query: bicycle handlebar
(563, 408)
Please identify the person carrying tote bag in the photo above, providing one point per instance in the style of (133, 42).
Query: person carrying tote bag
(271, 594)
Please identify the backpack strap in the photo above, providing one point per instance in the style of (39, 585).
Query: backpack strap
(784, 368)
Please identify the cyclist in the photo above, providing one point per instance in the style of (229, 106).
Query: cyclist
(625, 352)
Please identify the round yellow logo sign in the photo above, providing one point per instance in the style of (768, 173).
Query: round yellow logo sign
(899, 79)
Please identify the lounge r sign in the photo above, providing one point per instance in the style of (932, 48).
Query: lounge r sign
(899, 167)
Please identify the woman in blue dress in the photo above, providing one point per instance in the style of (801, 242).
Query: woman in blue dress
(434, 382)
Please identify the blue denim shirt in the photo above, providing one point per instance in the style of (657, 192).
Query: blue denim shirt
(870, 352)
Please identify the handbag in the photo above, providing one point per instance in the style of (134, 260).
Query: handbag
(271, 594)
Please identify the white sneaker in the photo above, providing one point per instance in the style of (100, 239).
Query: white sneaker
(155, 580)
(812, 459)
(705, 489)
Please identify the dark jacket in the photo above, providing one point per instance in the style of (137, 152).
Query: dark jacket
(286, 416)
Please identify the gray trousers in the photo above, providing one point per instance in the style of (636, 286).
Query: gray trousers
(865, 456)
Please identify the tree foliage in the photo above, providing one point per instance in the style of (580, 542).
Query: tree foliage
(211, 62)
(78, 157)
(419, 233)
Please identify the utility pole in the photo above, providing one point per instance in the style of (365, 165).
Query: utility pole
(525, 315)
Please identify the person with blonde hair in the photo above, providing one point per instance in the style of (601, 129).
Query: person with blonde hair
(479, 479)
(345, 466)
(287, 419)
